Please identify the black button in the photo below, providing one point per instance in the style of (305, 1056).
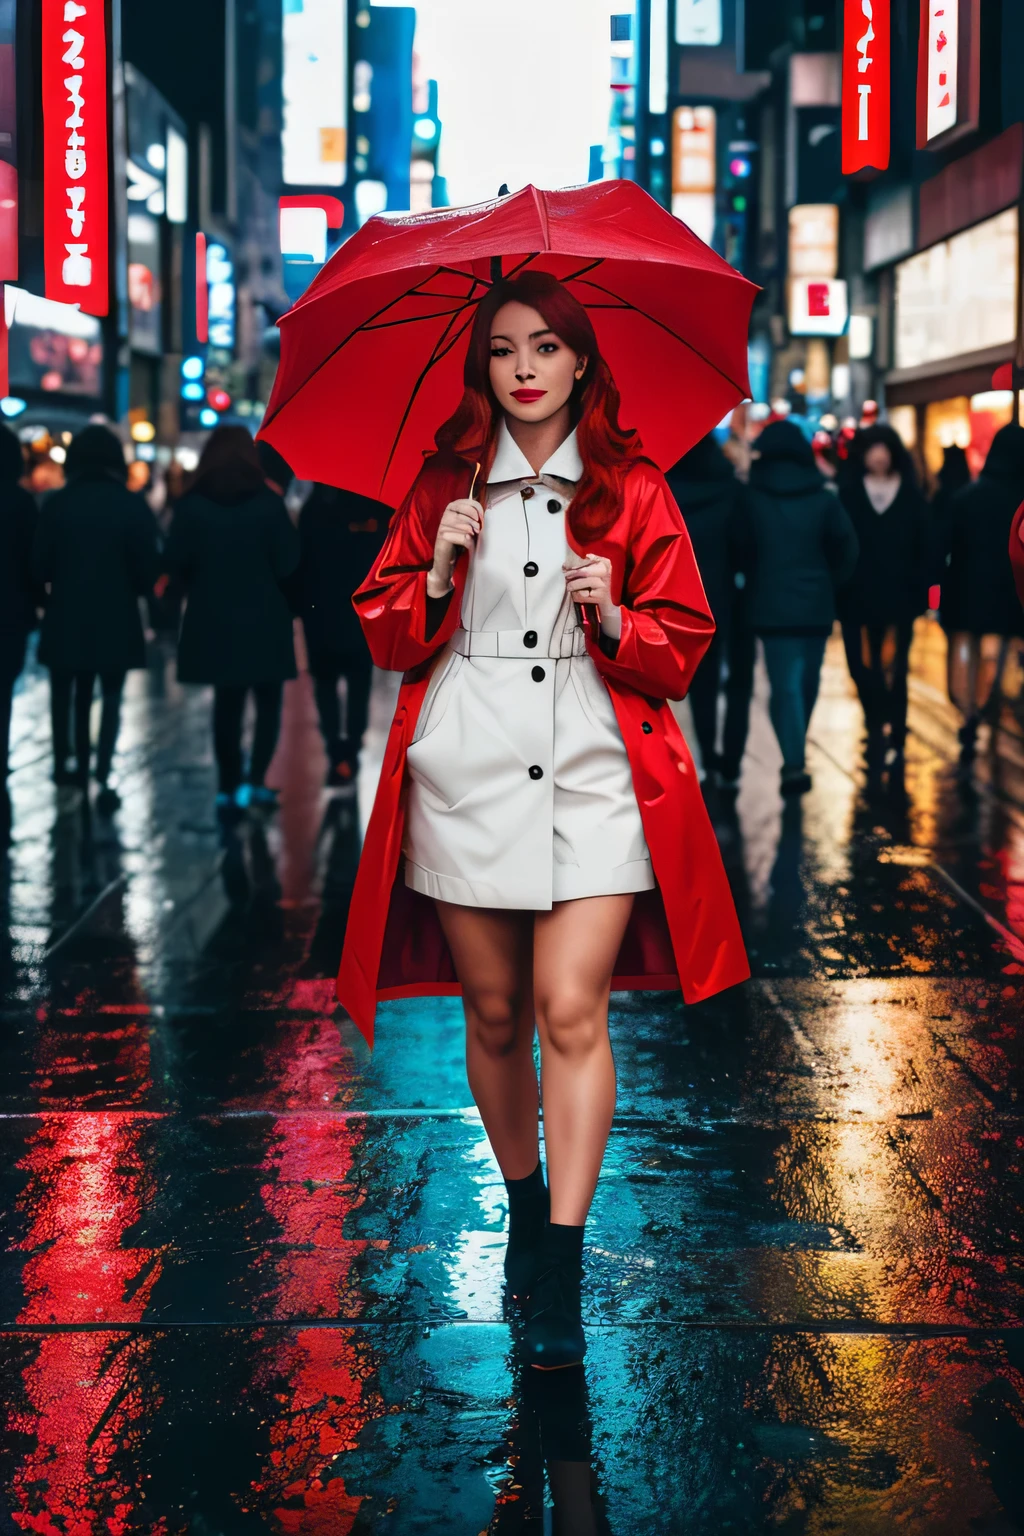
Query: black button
(536, 772)
(530, 638)
(554, 506)
(538, 674)
(531, 568)
(526, 492)
(647, 727)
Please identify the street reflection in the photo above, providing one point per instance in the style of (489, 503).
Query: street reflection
(320, 1378)
(549, 1433)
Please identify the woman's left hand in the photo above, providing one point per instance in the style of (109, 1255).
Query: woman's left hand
(590, 582)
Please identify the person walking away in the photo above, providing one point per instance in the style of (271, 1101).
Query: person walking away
(341, 535)
(18, 592)
(888, 590)
(952, 477)
(706, 489)
(980, 611)
(96, 549)
(797, 546)
(231, 546)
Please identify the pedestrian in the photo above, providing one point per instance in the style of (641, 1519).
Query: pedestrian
(954, 474)
(888, 589)
(341, 536)
(797, 547)
(980, 610)
(96, 549)
(19, 593)
(231, 546)
(706, 489)
(539, 832)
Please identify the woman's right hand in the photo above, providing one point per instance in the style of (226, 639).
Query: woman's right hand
(459, 528)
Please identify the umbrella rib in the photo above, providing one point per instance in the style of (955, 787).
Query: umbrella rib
(635, 308)
(440, 350)
(365, 325)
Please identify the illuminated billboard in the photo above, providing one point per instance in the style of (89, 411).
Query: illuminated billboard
(313, 135)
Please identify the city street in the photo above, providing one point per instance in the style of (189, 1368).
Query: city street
(251, 1275)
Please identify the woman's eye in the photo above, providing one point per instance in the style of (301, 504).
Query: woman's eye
(548, 346)
(501, 351)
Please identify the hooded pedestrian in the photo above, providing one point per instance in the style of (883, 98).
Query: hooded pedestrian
(797, 546)
(705, 487)
(18, 590)
(341, 536)
(889, 587)
(231, 546)
(980, 610)
(96, 548)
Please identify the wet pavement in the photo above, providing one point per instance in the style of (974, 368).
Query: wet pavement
(249, 1275)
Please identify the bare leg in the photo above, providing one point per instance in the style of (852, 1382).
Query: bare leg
(575, 946)
(492, 951)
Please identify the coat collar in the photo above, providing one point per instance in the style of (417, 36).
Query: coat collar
(510, 462)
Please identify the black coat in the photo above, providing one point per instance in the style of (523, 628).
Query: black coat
(890, 582)
(96, 544)
(231, 560)
(796, 545)
(707, 493)
(978, 592)
(341, 536)
(20, 593)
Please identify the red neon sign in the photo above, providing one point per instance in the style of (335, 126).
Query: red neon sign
(202, 292)
(865, 85)
(75, 153)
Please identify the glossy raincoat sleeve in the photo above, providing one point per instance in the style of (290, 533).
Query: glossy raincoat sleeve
(392, 601)
(666, 618)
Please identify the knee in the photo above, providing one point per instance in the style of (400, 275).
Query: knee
(571, 1022)
(494, 1021)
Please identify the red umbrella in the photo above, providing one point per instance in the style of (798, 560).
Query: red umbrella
(372, 354)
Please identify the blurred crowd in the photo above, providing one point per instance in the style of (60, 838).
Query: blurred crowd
(792, 531)
(218, 562)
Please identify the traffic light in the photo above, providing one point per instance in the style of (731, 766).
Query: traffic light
(738, 183)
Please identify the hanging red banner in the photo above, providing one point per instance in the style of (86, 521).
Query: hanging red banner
(75, 153)
(865, 85)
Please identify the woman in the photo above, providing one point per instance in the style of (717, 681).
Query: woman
(231, 546)
(539, 833)
(796, 546)
(18, 591)
(888, 590)
(341, 536)
(980, 611)
(96, 547)
(706, 489)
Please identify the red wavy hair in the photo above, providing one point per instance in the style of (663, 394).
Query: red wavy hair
(606, 448)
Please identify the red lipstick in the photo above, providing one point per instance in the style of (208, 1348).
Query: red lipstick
(527, 396)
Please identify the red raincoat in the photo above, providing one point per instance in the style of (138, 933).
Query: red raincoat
(1017, 550)
(684, 933)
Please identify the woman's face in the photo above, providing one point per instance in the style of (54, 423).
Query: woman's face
(878, 460)
(532, 370)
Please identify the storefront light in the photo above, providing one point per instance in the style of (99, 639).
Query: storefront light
(192, 391)
(58, 454)
(10, 405)
(143, 431)
(193, 368)
(208, 418)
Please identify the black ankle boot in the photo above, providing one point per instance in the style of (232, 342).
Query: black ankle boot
(553, 1337)
(528, 1206)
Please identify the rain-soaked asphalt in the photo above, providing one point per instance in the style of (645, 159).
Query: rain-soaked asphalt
(249, 1276)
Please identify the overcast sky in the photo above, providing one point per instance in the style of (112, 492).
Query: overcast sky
(522, 89)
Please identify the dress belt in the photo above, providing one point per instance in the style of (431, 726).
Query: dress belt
(513, 644)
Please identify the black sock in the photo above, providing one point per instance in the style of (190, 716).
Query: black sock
(527, 1208)
(564, 1244)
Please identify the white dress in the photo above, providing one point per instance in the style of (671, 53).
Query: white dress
(520, 791)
